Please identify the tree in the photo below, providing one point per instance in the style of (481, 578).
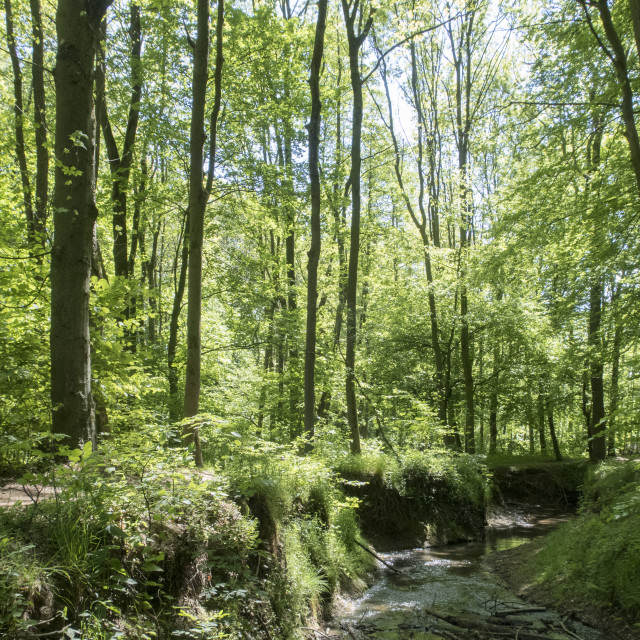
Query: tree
(355, 37)
(316, 237)
(120, 161)
(74, 217)
(198, 198)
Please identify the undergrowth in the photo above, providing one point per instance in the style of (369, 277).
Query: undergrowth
(138, 543)
(595, 559)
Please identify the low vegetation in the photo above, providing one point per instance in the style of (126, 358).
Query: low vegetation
(594, 560)
(138, 543)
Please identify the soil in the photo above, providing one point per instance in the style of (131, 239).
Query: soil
(13, 493)
(511, 567)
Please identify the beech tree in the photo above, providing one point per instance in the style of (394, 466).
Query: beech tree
(198, 197)
(74, 218)
(316, 239)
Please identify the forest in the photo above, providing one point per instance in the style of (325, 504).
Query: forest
(274, 273)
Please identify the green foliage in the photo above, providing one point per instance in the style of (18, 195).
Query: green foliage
(135, 537)
(595, 558)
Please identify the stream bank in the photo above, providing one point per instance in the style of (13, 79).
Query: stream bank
(589, 567)
(450, 591)
(511, 566)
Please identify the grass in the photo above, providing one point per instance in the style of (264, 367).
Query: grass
(595, 559)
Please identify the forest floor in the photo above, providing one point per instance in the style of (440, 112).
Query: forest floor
(511, 566)
(12, 493)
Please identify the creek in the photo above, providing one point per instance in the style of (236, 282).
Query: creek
(451, 579)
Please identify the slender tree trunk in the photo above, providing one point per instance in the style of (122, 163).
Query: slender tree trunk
(351, 13)
(198, 198)
(40, 124)
(615, 379)
(316, 233)
(634, 9)
(120, 162)
(18, 124)
(541, 423)
(75, 214)
(181, 281)
(598, 426)
(552, 432)
(594, 337)
(421, 222)
(463, 124)
(618, 57)
(586, 407)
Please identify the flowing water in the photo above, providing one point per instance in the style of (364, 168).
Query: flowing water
(452, 579)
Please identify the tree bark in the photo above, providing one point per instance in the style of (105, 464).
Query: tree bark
(594, 338)
(120, 162)
(355, 40)
(198, 198)
(40, 124)
(618, 57)
(614, 396)
(316, 233)
(77, 26)
(182, 258)
(463, 126)
(634, 9)
(18, 118)
(421, 223)
(552, 432)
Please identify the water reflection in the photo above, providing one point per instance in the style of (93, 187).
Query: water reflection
(452, 578)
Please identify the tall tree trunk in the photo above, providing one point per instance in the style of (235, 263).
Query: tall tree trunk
(316, 233)
(181, 260)
(615, 377)
(120, 162)
(594, 337)
(586, 407)
(40, 124)
(552, 432)
(421, 222)
(18, 125)
(75, 213)
(619, 59)
(198, 198)
(493, 401)
(355, 40)
(598, 426)
(462, 53)
(541, 422)
(634, 9)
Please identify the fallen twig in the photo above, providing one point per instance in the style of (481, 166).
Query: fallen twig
(569, 632)
(486, 627)
(347, 627)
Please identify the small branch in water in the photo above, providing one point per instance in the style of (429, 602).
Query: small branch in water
(515, 612)
(346, 627)
(376, 556)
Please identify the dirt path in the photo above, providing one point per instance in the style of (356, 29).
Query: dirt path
(14, 493)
